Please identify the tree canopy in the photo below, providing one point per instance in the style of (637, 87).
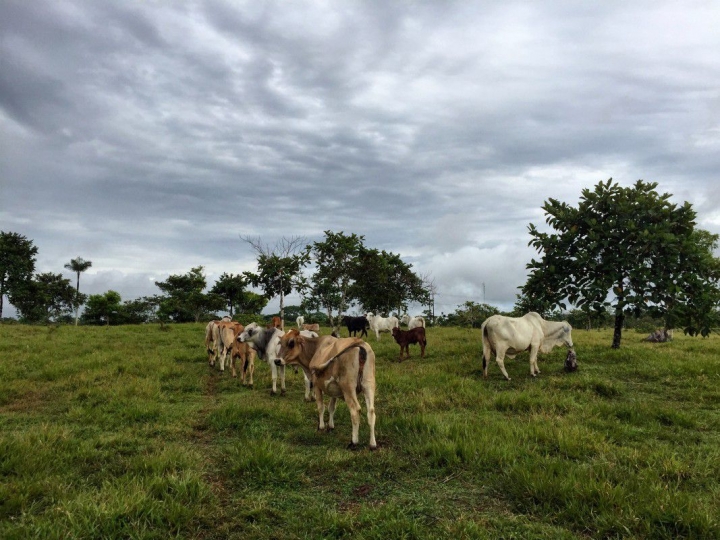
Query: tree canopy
(629, 249)
(17, 263)
(184, 299)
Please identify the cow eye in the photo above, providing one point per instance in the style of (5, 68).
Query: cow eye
(291, 343)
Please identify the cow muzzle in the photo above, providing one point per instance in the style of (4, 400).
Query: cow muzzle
(279, 362)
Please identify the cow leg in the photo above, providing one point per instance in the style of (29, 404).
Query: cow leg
(281, 370)
(320, 407)
(500, 358)
(250, 367)
(369, 394)
(354, 406)
(232, 364)
(273, 371)
(222, 360)
(331, 413)
(534, 369)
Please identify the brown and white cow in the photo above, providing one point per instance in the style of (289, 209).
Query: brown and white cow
(507, 336)
(266, 342)
(340, 368)
(405, 338)
(228, 344)
(276, 322)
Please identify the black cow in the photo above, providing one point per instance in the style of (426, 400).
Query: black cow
(355, 325)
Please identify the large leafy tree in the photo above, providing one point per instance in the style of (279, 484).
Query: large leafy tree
(78, 266)
(279, 268)
(17, 263)
(383, 282)
(184, 299)
(627, 249)
(330, 285)
(473, 314)
(47, 297)
(103, 309)
(233, 289)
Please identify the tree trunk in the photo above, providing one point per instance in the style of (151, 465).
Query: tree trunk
(77, 299)
(617, 334)
(2, 294)
(282, 311)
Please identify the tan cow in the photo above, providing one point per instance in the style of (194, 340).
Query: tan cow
(211, 339)
(340, 368)
(507, 336)
(228, 344)
(315, 327)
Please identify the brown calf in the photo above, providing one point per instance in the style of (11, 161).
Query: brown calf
(405, 338)
(339, 368)
(228, 343)
(276, 322)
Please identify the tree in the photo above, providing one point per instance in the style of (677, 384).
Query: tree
(629, 249)
(473, 315)
(232, 288)
(45, 298)
(78, 266)
(383, 282)
(330, 285)
(279, 268)
(184, 300)
(17, 263)
(103, 309)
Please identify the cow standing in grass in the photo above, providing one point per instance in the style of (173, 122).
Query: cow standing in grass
(266, 342)
(507, 336)
(340, 368)
(405, 338)
(381, 324)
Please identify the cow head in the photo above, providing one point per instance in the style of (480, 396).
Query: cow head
(290, 348)
(251, 330)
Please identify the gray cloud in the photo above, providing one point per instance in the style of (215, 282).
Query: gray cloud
(148, 137)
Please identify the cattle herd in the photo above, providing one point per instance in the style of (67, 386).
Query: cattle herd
(343, 368)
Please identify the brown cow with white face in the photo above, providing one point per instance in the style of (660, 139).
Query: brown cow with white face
(340, 368)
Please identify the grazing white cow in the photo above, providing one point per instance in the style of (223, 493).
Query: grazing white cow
(381, 324)
(412, 322)
(341, 368)
(314, 327)
(300, 321)
(266, 342)
(507, 336)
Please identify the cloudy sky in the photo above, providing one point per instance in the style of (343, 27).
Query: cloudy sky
(149, 136)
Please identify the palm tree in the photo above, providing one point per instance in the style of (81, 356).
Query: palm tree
(78, 266)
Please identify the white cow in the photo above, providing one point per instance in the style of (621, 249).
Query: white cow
(381, 324)
(266, 342)
(212, 337)
(507, 336)
(300, 321)
(412, 322)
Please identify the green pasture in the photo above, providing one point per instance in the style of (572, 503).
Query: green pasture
(125, 432)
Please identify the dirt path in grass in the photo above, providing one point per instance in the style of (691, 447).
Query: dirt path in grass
(202, 438)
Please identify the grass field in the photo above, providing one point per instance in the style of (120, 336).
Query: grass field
(125, 432)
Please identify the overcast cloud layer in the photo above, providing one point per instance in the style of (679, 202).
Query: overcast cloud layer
(148, 136)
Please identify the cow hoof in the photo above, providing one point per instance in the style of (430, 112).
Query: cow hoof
(282, 392)
(352, 446)
(330, 429)
(250, 386)
(308, 400)
(273, 393)
(373, 448)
